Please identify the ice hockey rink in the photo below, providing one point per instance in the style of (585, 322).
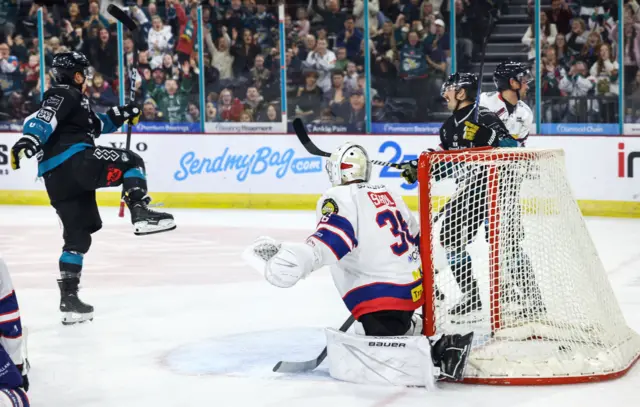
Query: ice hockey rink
(181, 321)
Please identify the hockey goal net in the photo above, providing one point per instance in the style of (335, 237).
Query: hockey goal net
(506, 254)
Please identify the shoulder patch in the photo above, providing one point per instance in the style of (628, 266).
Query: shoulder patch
(53, 102)
(329, 206)
(45, 115)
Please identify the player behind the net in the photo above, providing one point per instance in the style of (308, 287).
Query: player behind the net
(369, 238)
(467, 210)
(512, 80)
(61, 134)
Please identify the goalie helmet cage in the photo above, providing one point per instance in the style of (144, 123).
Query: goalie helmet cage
(536, 293)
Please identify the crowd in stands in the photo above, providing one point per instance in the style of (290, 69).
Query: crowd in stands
(579, 66)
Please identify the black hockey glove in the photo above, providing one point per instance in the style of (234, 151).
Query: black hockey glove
(27, 146)
(478, 134)
(120, 114)
(410, 171)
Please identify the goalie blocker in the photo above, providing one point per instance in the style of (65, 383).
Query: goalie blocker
(369, 238)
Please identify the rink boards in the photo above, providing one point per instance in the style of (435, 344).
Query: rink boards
(275, 172)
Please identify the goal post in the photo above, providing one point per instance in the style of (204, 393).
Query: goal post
(506, 254)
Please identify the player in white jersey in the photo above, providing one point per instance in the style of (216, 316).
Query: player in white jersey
(512, 84)
(369, 238)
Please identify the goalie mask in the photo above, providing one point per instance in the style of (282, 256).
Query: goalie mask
(348, 163)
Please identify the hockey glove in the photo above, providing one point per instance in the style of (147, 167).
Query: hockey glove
(478, 134)
(27, 146)
(410, 171)
(120, 114)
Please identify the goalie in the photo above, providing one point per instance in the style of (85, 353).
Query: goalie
(369, 238)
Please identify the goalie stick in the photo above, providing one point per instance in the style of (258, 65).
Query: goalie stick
(128, 22)
(299, 367)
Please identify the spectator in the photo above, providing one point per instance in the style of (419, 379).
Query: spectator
(358, 13)
(411, 10)
(170, 69)
(294, 72)
(350, 38)
(436, 49)
(401, 31)
(385, 42)
(464, 35)
(336, 98)
(308, 46)
(173, 102)
(351, 77)
(18, 47)
(31, 71)
(356, 113)
(155, 88)
(548, 31)
(103, 53)
(272, 115)
(254, 100)
(323, 61)
(50, 28)
(246, 116)
(333, 18)
(72, 37)
(631, 55)
(264, 24)
(260, 76)
(244, 53)
(150, 112)
(309, 98)
(100, 94)
(8, 63)
(211, 113)
(221, 57)
(590, 49)
(188, 27)
(413, 71)
(565, 59)
(578, 84)
(560, 14)
(75, 18)
(552, 75)
(341, 61)
(229, 108)
(578, 36)
(302, 25)
(95, 18)
(193, 113)
(160, 40)
(605, 72)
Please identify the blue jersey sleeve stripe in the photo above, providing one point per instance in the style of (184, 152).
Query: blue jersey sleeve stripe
(379, 290)
(134, 173)
(38, 127)
(107, 124)
(341, 223)
(336, 243)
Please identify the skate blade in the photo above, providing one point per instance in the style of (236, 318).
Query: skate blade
(143, 228)
(72, 318)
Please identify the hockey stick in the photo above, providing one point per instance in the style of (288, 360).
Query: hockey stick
(303, 136)
(484, 51)
(299, 367)
(128, 22)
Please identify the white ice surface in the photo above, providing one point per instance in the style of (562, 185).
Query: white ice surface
(181, 321)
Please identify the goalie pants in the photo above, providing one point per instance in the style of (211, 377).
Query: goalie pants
(386, 323)
(71, 187)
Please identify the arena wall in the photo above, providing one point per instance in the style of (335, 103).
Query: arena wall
(275, 172)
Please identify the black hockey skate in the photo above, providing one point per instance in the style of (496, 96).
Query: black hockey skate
(146, 221)
(468, 309)
(450, 353)
(73, 310)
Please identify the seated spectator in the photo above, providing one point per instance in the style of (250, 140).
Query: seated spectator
(173, 102)
(254, 100)
(565, 59)
(309, 98)
(100, 94)
(323, 61)
(294, 73)
(351, 77)
(302, 24)
(211, 113)
(8, 63)
(260, 76)
(95, 18)
(560, 14)
(150, 112)
(350, 38)
(30, 71)
(271, 115)
(578, 36)
(332, 17)
(18, 48)
(605, 72)
(578, 84)
(337, 97)
(160, 40)
(341, 61)
(193, 113)
(548, 32)
(358, 13)
(246, 116)
(169, 67)
(229, 108)
(589, 53)
(356, 114)
(428, 15)
(154, 87)
(552, 75)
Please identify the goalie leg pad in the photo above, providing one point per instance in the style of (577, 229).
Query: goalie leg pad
(396, 361)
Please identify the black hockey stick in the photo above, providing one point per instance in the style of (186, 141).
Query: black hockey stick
(299, 367)
(484, 51)
(303, 136)
(128, 22)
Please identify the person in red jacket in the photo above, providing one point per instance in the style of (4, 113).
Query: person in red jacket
(188, 29)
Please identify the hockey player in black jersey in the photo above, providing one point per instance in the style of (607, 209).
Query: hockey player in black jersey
(467, 211)
(61, 135)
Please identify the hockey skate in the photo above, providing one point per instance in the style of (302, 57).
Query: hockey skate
(73, 310)
(468, 309)
(147, 221)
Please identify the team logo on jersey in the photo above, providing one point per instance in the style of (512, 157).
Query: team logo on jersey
(54, 102)
(45, 115)
(329, 206)
(113, 174)
(103, 154)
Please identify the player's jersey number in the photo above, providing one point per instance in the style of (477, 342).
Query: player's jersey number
(399, 229)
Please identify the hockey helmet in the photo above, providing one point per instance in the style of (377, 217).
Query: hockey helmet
(508, 70)
(459, 81)
(348, 163)
(66, 64)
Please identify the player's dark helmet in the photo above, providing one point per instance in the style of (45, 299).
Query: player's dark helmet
(508, 70)
(66, 64)
(462, 80)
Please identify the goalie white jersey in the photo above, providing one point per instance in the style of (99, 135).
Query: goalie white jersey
(519, 122)
(368, 236)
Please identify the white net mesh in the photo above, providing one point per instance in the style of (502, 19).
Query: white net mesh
(507, 255)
